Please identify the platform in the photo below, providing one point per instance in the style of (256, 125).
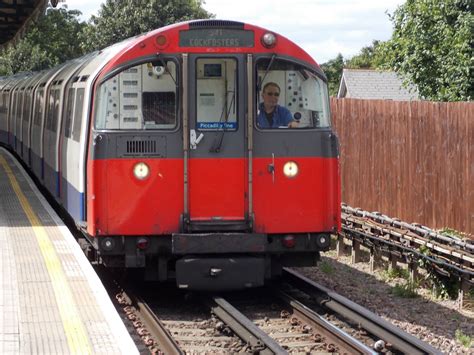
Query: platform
(51, 300)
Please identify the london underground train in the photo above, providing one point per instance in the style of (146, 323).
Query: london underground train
(154, 148)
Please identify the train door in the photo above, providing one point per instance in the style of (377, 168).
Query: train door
(217, 179)
(294, 150)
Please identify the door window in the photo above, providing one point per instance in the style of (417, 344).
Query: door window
(216, 94)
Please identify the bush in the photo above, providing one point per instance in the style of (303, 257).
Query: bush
(407, 290)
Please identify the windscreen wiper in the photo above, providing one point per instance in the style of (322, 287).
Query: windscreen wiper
(219, 138)
(272, 59)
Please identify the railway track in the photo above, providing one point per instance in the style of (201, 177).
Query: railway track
(292, 316)
(385, 336)
(448, 256)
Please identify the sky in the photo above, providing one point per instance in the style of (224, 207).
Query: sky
(323, 28)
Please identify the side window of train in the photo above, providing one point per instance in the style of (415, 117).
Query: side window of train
(38, 107)
(26, 107)
(49, 118)
(300, 91)
(69, 110)
(18, 105)
(78, 108)
(143, 97)
(54, 123)
(216, 94)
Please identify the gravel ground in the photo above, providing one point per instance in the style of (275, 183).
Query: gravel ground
(431, 320)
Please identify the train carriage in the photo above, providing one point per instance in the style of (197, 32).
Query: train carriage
(155, 149)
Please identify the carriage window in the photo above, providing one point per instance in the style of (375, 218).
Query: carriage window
(140, 98)
(290, 96)
(216, 94)
(17, 106)
(27, 112)
(38, 107)
(26, 107)
(53, 111)
(78, 108)
(69, 108)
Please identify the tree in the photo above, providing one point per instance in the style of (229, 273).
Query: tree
(432, 46)
(369, 57)
(333, 70)
(121, 19)
(51, 40)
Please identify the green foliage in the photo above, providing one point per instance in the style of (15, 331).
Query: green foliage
(121, 19)
(406, 290)
(369, 57)
(442, 287)
(464, 339)
(450, 232)
(432, 46)
(395, 273)
(326, 268)
(333, 71)
(52, 40)
(24, 56)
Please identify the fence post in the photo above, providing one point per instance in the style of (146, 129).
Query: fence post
(463, 292)
(340, 245)
(392, 262)
(413, 270)
(355, 253)
(374, 259)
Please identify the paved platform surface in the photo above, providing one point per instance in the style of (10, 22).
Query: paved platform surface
(51, 300)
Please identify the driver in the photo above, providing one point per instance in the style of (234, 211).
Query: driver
(270, 114)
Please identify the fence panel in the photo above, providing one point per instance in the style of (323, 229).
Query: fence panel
(411, 160)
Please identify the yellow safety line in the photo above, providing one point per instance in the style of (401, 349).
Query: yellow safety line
(77, 338)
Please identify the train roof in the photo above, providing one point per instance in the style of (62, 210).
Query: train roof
(179, 37)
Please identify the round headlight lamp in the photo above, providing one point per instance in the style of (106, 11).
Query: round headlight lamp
(141, 171)
(290, 169)
(108, 244)
(268, 40)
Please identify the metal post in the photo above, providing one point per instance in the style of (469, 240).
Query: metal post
(185, 131)
(250, 117)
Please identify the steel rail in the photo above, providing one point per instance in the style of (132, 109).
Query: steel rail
(421, 231)
(163, 337)
(348, 344)
(411, 251)
(259, 341)
(375, 325)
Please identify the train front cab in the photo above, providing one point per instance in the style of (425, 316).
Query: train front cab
(195, 188)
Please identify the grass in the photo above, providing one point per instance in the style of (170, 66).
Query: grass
(464, 339)
(450, 232)
(326, 268)
(395, 273)
(406, 290)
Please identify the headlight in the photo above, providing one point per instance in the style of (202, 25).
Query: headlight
(290, 169)
(108, 244)
(141, 171)
(268, 40)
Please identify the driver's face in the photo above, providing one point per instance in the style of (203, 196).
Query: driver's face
(270, 96)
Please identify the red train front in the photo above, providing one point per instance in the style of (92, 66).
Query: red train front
(184, 182)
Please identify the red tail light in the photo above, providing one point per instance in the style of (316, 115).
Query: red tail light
(288, 241)
(142, 243)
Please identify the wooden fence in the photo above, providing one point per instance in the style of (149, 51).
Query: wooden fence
(411, 160)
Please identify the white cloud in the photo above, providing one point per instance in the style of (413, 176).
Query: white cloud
(323, 28)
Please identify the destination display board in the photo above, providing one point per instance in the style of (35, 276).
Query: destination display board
(216, 38)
